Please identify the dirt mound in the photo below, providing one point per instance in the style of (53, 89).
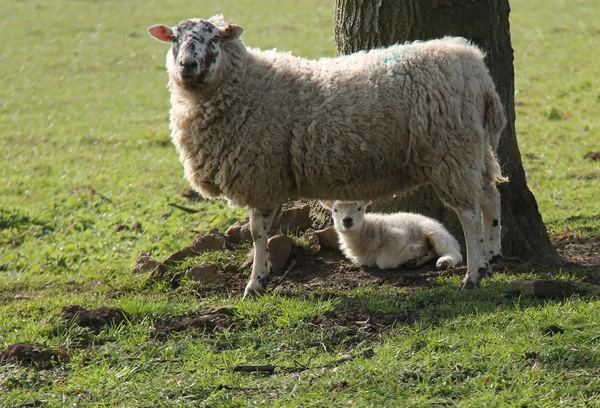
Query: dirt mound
(33, 355)
(215, 320)
(95, 319)
(353, 327)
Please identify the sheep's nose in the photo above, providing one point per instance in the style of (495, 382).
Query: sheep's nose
(347, 222)
(188, 65)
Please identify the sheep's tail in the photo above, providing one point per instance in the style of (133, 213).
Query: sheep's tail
(494, 124)
(494, 119)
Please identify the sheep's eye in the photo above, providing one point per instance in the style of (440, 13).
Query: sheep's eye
(359, 208)
(216, 40)
(174, 39)
(335, 210)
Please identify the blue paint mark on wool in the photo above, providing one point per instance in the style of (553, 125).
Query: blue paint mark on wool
(392, 57)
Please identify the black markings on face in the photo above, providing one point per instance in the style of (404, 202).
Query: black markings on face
(495, 223)
(198, 41)
(482, 271)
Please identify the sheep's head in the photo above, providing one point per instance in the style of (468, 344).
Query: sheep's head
(195, 52)
(347, 215)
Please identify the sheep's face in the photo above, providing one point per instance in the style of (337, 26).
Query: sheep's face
(196, 51)
(347, 215)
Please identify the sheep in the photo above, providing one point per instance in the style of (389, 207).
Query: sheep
(262, 127)
(391, 240)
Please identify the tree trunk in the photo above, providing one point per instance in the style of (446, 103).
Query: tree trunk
(366, 24)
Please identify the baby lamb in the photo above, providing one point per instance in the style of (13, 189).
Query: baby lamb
(390, 240)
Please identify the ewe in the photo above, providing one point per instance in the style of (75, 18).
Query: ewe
(262, 127)
(390, 240)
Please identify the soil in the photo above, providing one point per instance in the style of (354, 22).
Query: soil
(95, 319)
(32, 355)
(329, 271)
(214, 320)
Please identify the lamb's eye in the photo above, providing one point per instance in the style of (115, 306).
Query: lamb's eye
(334, 210)
(174, 39)
(216, 40)
(359, 208)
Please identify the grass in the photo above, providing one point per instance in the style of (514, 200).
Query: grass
(88, 172)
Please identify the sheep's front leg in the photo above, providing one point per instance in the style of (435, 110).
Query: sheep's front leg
(490, 207)
(260, 225)
(477, 265)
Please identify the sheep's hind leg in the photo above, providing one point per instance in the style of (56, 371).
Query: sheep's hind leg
(260, 225)
(490, 208)
(477, 265)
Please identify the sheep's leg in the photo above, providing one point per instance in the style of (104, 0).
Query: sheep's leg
(490, 208)
(477, 265)
(260, 225)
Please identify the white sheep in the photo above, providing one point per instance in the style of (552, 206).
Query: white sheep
(391, 240)
(262, 127)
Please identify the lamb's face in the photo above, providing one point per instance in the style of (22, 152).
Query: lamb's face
(348, 216)
(196, 51)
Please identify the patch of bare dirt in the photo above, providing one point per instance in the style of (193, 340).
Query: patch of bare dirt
(214, 320)
(34, 355)
(584, 251)
(353, 327)
(95, 319)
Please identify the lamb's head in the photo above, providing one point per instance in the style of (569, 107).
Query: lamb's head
(196, 49)
(347, 215)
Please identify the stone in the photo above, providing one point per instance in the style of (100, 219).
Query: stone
(239, 232)
(293, 220)
(543, 288)
(144, 263)
(206, 273)
(328, 238)
(213, 241)
(280, 249)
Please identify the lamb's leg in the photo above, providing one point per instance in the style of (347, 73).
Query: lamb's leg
(477, 265)
(412, 255)
(447, 248)
(490, 208)
(260, 225)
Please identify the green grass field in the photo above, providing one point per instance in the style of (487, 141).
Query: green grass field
(87, 171)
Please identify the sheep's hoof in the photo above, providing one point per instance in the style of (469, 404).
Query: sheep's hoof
(256, 287)
(496, 258)
(469, 284)
(442, 266)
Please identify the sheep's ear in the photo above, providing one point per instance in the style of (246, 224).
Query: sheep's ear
(230, 33)
(368, 203)
(327, 204)
(161, 32)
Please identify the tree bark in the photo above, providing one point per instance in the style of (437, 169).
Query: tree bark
(366, 24)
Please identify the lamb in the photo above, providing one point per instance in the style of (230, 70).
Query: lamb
(262, 127)
(391, 240)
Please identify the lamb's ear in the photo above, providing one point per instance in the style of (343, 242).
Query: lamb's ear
(230, 33)
(161, 32)
(368, 203)
(327, 204)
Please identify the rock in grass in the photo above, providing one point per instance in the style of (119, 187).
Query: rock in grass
(280, 249)
(543, 288)
(144, 263)
(213, 241)
(328, 238)
(206, 273)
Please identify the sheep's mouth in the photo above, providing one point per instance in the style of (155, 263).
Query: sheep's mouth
(192, 79)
